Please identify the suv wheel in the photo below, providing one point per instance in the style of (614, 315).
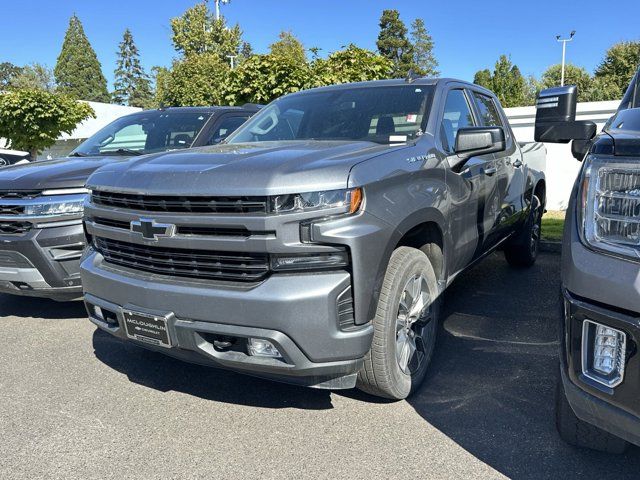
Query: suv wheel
(523, 251)
(582, 434)
(405, 327)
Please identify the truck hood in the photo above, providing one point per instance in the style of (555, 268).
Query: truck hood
(256, 169)
(624, 129)
(69, 172)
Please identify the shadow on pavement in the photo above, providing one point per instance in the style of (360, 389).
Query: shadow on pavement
(163, 373)
(491, 384)
(33, 307)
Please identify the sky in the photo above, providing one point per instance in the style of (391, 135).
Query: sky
(469, 35)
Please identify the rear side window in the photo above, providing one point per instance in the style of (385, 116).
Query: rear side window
(457, 115)
(225, 128)
(489, 115)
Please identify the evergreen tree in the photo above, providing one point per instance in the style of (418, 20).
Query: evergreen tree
(132, 86)
(78, 71)
(393, 43)
(424, 60)
(506, 81)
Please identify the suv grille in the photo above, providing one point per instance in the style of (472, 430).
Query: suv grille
(14, 228)
(200, 264)
(181, 204)
(19, 194)
(11, 209)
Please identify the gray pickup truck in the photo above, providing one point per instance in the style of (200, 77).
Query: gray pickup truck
(313, 246)
(597, 402)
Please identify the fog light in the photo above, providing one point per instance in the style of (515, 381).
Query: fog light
(603, 353)
(262, 348)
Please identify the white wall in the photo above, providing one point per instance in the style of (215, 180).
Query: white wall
(562, 168)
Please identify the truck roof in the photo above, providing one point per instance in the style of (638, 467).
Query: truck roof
(208, 109)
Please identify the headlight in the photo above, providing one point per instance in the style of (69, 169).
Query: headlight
(53, 203)
(610, 197)
(349, 200)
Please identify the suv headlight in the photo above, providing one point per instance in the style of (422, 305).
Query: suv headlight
(610, 198)
(58, 202)
(349, 200)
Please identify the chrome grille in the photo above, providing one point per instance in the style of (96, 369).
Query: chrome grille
(199, 264)
(180, 204)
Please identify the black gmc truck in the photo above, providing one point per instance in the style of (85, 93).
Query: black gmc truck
(41, 203)
(598, 394)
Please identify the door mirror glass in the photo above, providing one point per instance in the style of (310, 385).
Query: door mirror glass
(556, 117)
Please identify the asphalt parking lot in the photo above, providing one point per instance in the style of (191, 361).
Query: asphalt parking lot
(75, 403)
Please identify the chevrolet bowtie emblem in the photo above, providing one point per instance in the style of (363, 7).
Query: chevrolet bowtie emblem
(151, 230)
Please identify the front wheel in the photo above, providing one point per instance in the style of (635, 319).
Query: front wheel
(405, 327)
(523, 251)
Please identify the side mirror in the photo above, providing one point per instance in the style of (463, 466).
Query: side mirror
(473, 141)
(580, 148)
(556, 117)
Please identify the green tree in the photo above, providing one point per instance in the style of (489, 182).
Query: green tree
(506, 81)
(262, 78)
(573, 75)
(198, 80)
(197, 31)
(616, 69)
(423, 57)
(289, 46)
(34, 77)
(353, 64)
(78, 71)
(32, 120)
(393, 43)
(131, 86)
(8, 71)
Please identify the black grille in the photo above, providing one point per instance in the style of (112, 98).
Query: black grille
(181, 204)
(18, 194)
(190, 229)
(11, 209)
(14, 228)
(200, 264)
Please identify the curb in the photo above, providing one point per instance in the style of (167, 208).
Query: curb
(550, 247)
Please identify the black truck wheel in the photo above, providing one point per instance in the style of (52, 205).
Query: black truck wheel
(405, 327)
(523, 250)
(582, 434)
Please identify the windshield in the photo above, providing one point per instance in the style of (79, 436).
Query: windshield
(145, 132)
(377, 114)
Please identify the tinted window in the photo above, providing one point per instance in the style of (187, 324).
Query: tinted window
(489, 115)
(457, 115)
(377, 114)
(146, 132)
(225, 128)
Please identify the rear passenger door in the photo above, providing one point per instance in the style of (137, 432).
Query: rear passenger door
(469, 185)
(506, 202)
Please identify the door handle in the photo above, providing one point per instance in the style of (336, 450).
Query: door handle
(490, 171)
(517, 163)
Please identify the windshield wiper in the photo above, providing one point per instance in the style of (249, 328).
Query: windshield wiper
(78, 154)
(124, 151)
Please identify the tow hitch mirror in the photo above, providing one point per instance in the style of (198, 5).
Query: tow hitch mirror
(556, 119)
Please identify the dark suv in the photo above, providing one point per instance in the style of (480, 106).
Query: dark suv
(41, 203)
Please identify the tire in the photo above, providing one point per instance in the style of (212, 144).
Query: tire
(404, 329)
(523, 251)
(582, 434)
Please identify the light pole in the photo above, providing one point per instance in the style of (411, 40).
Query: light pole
(218, 2)
(232, 60)
(564, 51)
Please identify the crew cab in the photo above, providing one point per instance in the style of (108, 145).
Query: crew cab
(41, 203)
(314, 244)
(597, 395)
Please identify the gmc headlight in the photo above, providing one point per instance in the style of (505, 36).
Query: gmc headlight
(610, 198)
(349, 200)
(58, 202)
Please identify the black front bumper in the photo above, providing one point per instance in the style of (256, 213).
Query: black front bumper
(615, 410)
(44, 262)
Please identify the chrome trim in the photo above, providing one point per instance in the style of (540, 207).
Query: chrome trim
(65, 191)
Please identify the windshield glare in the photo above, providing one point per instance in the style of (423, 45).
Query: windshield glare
(377, 114)
(147, 132)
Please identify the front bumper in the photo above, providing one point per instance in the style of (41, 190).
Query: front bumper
(296, 312)
(44, 262)
(614, 410)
